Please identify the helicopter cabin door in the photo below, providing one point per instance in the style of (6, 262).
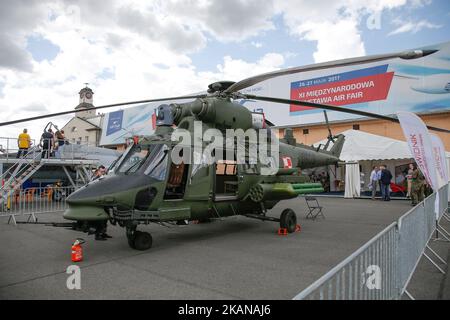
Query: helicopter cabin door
(226, 180)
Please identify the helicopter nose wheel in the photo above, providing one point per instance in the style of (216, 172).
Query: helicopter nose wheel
(139, 240)
(288, 220)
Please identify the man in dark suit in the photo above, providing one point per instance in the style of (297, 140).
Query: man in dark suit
(386, 177)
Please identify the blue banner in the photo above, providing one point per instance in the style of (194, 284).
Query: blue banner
(114, 122)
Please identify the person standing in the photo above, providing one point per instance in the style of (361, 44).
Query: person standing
(379, 179)
(24, 143)
(409, 179)
(374, 178)
(60, 141)
(417, 186)
(386, 177)
(47, 141)
(100, 226)
(362, 178)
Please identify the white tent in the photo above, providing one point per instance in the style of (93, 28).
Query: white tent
(361, 146)
(366, 149)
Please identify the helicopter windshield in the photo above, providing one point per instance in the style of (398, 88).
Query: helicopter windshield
(157, 167)
(133, 159)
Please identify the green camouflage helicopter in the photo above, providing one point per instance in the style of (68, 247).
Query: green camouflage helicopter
(145, 185)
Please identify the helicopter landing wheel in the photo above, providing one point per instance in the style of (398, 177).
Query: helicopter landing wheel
(140, 240)
(288, 220)
(130, 238)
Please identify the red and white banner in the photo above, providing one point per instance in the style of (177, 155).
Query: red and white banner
(419, 141)
(439, 157)
(356, 86)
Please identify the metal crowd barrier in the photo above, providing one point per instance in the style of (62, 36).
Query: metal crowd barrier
(382, 268)
(31, 201)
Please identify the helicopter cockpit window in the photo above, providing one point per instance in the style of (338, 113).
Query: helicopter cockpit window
(133, 159)
(158, 162)
(112, 168)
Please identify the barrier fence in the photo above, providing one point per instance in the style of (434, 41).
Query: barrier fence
(383, 267)
(30, 201)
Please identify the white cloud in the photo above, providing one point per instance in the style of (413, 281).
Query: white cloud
(256, 44)
(144, 66)
(413, 27)
(334, 25)
(334, 40)
(146, 45)
(231, 20)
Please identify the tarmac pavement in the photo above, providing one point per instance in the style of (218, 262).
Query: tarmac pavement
(237, 258)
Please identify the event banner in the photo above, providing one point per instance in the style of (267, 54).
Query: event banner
(364, 85)
(419, 141)
(421, 146)
(384, 87)
(439, 156)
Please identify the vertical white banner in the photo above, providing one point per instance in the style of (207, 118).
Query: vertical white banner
(439, 156)
(420, 145)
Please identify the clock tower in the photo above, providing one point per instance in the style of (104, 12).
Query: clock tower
(86, 103)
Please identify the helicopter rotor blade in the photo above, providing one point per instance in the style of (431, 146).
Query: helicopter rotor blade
(330, 135)
(99, 107)
(414, 54)
(330, 107)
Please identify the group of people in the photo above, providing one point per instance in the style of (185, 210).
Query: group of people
(51, 143)
(382, 177)
(416, 184)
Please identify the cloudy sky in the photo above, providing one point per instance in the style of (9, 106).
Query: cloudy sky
(129, 50)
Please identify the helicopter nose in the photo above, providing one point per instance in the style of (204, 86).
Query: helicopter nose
(92, 194)
(88, 202)
(105, 191)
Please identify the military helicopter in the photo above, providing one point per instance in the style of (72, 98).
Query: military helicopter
(145, 185)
